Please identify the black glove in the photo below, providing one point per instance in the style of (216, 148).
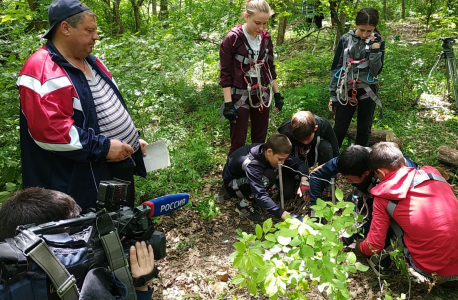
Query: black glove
(229, 111)
(278, 101)
(300, 218)
(376, 38)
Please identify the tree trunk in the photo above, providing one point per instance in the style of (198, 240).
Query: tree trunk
(378, 135)
(163, 12)
(136, 6)
(448, 156)
(281, 31)
(403, 9)
(117, 17)
(384, 7)
(338, 21)
(154, 4)
(35, 24)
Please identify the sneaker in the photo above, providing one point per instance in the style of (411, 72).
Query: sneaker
(246, 209)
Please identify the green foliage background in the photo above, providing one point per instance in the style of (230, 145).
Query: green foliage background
(169, 74)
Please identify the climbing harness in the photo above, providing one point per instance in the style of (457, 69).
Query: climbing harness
(263, 93)
(351, 67)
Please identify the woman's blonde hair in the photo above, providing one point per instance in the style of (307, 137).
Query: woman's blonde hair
(254, 6)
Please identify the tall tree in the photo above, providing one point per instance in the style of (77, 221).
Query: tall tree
(136, 4)
(36, 23)
(281, 30)
(403, 9)
(163, 10)
(154, 5)
(119, 26)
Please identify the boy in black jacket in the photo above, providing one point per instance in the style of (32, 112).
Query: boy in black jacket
(250, 171)
(312, 138)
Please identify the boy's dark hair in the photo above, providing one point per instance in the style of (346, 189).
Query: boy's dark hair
(367, 16)
(303, 125)
(354, 161)
(386, 155)
(279, 143)
(35, 205)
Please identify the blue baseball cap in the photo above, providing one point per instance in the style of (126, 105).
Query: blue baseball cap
(60, 10)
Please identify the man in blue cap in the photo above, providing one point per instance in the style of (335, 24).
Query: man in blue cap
(74, 125)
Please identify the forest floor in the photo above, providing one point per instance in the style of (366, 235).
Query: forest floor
(197, 264)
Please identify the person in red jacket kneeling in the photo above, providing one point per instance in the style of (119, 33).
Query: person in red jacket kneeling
(422, 203)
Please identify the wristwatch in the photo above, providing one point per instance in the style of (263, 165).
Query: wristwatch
(145, 279)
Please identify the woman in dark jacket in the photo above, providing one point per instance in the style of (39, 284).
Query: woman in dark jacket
(357, 63)
(248, 76)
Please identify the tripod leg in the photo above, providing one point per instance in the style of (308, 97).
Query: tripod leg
(452, 79)
(439, 57)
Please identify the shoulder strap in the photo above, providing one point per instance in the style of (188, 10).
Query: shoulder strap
(114, 252)
(35, 248)
(422, 176)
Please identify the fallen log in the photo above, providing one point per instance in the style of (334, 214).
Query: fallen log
(378, 135)
(448, 156)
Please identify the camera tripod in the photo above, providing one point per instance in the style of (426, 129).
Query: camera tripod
(450, 67)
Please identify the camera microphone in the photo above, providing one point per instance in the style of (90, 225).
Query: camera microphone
(166, 204)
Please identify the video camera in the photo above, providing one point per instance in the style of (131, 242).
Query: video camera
(78, 243)
(447, 42)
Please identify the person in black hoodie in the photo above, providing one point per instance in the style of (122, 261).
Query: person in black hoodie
(312, 138)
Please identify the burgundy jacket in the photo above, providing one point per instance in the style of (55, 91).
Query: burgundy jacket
(427, 214)
(232, 72)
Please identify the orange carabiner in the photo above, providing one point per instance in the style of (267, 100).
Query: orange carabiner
(353, 100)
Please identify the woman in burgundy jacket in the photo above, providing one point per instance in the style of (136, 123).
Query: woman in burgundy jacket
(248, 76)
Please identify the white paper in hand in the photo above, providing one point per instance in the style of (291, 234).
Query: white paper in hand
(157, 156)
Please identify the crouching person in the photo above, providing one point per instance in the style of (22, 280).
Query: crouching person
(37, 206)
(250, 171)
(423, 206)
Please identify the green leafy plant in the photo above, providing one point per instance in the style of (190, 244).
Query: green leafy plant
(207, 208)
(285, 258)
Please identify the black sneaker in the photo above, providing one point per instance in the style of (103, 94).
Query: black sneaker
(246, 209)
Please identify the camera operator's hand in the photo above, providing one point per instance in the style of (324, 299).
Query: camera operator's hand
(118, 150)
(141, 261)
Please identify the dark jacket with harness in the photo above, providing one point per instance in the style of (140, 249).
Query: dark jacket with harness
(302, 151)
(355, 66)
(250, 161)
(232, 71)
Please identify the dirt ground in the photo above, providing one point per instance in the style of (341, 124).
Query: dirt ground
(197, 264)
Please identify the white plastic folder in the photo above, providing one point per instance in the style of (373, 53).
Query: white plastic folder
(157, 156)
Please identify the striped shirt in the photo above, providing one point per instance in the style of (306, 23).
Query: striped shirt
(114, 120)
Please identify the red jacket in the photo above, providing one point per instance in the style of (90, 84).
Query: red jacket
(231, 71)
(428, 214)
